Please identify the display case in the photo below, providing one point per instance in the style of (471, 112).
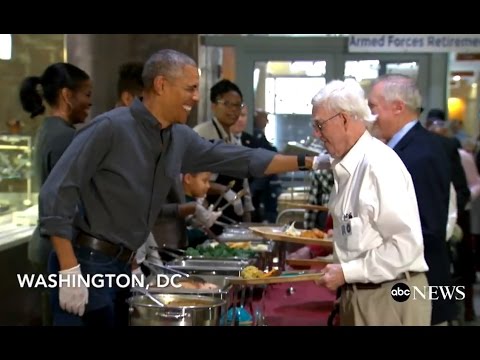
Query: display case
(16, 171)
(18, 198)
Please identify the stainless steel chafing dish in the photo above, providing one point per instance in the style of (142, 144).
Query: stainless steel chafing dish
(225, 267)
(211, 262)
(221, 291)
(181, 310)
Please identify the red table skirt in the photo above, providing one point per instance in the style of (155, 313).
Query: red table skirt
(308, 305)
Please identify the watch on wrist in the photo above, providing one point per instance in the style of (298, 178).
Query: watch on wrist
(301, 162)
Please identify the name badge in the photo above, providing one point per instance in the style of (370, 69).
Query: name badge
(347, 228)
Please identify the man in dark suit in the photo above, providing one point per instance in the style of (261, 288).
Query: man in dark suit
(396, 100)
(264, 190)
(463, 261)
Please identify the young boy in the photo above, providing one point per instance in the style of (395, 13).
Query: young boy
(196, 187)
(196, 216)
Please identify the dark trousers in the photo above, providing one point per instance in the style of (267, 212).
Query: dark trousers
(107, 305)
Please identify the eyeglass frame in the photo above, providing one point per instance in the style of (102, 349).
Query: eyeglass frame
(318, 125)
(228, 104)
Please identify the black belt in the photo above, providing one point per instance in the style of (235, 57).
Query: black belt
(117, 251)
(369, 286)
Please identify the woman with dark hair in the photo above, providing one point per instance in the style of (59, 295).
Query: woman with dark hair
(67, 91)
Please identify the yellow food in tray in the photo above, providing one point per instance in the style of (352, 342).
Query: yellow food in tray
(240, 245)
(252, 272)
(247, 245)
(312, 234)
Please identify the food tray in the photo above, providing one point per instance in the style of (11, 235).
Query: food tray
(286, 277)
(210, 262)
(277, 234)
(298, 205)
(319, 261)
(202, 270)
(233, 236)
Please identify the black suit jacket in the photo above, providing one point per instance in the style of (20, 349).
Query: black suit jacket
(459, 178)
(424, 155)
(247, 140)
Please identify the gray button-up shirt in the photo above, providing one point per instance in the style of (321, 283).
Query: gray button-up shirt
(118, 170)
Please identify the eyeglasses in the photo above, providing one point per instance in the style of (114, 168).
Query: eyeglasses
(228, 104)
(318, 125)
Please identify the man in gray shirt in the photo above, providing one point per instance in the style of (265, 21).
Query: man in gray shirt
(103, 197)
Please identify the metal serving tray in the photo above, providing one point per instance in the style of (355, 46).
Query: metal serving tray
(216, 269)
(222, 283)
(239, 236)
(211, 262)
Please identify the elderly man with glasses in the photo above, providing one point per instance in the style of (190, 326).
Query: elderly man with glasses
(378, 243)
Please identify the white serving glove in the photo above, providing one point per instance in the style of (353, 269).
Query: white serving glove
(139, 274)
(138, 271)
(248, 203)
(146, 251)
(247, 199)
(237, 204)
(206, 217)
(73, 299)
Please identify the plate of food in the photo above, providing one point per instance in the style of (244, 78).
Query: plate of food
(291, 234)
(251, 275)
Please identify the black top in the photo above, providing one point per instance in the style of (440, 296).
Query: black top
(53, 137)
(459, 179)
(424, 156)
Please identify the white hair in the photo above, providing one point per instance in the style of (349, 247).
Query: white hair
(347, 96)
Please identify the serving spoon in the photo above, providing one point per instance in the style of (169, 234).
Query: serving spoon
(150, 296)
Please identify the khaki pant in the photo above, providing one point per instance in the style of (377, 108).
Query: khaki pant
(377, 307)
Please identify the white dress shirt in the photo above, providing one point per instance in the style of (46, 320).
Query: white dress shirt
(377, 230)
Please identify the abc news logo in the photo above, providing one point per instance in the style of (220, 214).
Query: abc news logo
(401, 292)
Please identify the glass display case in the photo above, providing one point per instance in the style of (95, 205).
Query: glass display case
(18, 201)
(15, 172)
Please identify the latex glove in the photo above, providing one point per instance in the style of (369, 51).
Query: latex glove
(73, 298)
(247, 199)
(152, 252)
(148, 250)
(138, 273)
(237, 204)
(206, 217)
(141, 254)
(201, 200)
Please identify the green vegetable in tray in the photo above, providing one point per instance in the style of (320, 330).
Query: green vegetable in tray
(219, 251)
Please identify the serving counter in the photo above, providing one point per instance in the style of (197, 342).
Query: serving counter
(247, 299)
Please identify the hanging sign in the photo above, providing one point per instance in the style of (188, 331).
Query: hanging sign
(426, 43)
